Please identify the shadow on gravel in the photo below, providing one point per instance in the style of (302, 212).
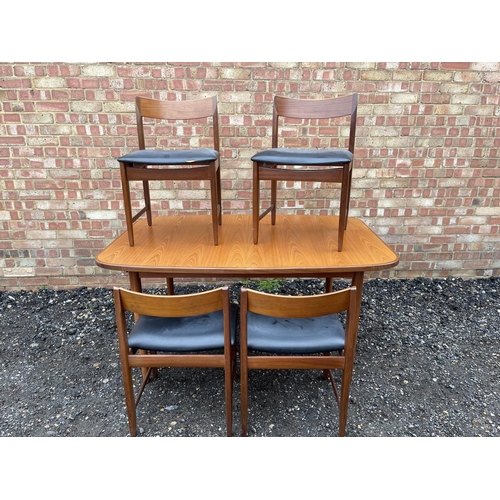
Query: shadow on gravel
(427, 364)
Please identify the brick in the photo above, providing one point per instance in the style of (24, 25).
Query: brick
(426, 147)
(456, 65)
(99, 70)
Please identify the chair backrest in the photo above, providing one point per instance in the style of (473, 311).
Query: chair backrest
(171, 306)
(288, 107)
(176, 110)
(305, 306)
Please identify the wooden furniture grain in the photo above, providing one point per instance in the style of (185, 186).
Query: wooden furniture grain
(172, 164)
(285, 332)
(298, 246)
(176, 331)
(321, 165)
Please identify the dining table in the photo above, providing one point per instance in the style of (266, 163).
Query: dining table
(296, 246)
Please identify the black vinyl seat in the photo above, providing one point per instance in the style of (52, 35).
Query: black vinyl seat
(174, 157)
(185, 334)
(295, 335)
(316, 158)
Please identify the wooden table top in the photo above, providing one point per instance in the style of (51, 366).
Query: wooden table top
(297, 246)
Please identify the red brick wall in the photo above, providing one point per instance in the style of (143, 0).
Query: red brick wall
(426, 174)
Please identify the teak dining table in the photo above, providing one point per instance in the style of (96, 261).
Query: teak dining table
(297, 246)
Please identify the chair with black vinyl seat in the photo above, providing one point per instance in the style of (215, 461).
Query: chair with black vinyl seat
(196, 330)
(317, 165)
(172, 164)
(298, 332)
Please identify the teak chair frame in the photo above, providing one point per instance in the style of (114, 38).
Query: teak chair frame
(172, 306)
(277, 306)
(187, 170)
(328, 172)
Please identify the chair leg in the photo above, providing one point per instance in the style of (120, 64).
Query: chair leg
(256, 202)
(229, 381)
(344, 195)
(274, 200)
(129, 399)
(344, 399)
(326, 370)
(147, 201)
(219, 195)
(244, 394)
(127, 204)
(170, 286)
(215, 204)
(348, 195)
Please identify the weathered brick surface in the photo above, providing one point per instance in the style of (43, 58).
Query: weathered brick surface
(426, 175)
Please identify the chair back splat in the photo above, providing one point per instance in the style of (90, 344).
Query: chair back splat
(290, 332)
(196, 330)
(172, 164)
(322, 165)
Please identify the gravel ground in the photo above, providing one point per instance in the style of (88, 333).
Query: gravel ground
(427, 364)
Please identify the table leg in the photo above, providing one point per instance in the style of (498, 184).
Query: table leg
(135, 281)
(136, 286)
(357, 281)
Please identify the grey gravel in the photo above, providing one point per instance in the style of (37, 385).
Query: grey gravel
(427, 364)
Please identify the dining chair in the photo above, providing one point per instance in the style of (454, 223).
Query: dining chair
(194, 330)
(190, 164)
(317, 165)
(298, 332)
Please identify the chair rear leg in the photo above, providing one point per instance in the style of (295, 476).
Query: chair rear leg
(147, 201)
(344, 400)
(274, 199)
(348, 196)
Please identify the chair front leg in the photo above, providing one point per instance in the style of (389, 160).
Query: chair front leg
(344, 197)
(244, 402)
(214, 201)
(129, 398)
(229, 382)
(219, 193)
(256, 202)
(244, 383)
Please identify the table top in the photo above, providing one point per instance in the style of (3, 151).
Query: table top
(297, 246)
